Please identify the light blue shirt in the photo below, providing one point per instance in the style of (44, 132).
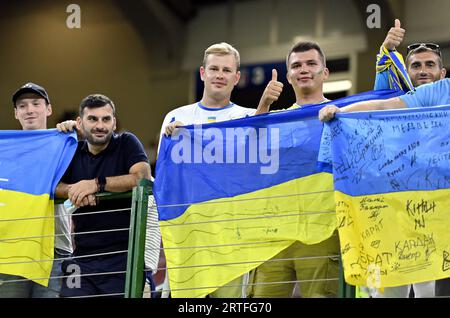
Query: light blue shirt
(381, 81)
(433, 94)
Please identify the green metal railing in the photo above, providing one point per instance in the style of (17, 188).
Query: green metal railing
(105, 196)
(134, 284)
(136, 245)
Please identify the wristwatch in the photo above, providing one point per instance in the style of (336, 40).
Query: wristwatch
(101, 184)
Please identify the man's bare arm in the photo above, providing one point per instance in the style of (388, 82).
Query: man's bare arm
(271, 94)
(68, 126)
(62, 190)
(83, 192)
(140, 170)
(328, 112)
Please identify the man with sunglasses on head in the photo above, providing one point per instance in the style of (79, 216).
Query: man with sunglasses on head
(423, 66)
(423, 63)
(425, 69)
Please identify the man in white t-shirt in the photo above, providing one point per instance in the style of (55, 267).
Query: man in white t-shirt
(220, 74)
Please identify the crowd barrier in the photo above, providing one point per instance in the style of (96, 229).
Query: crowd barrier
(145, 248)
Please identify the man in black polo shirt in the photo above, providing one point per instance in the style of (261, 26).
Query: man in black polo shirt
(110, 162)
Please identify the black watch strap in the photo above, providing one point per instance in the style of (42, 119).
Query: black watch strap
(101, 184)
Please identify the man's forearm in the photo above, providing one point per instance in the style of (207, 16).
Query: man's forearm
(121, 183)
(140, 170)
(62, 190)
(263, 108)
(393, 103)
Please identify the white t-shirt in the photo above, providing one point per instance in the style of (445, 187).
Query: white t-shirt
(63, 227)
(153, 237)
(199, 114)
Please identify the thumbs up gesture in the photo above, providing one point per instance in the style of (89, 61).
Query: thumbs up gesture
(271, 93)
(395, 36)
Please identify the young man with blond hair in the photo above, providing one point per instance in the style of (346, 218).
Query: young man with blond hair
(220, 74)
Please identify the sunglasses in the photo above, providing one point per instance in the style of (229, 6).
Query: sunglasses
(432, 46)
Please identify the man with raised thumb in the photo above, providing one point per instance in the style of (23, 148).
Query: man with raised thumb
(271, 93)
(395, 36)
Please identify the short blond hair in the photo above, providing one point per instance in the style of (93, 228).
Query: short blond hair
(222, 49)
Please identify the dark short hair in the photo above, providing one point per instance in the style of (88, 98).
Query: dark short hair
(96, 101)
(303, 47)
(422, 49)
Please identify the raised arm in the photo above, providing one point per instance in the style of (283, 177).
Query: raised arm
(270, 94)
(394, 37)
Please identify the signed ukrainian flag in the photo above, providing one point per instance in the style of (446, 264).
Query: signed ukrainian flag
(31, 165)
(232, 195)
(392, 180)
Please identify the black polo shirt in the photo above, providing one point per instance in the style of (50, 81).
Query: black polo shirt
(123, 151)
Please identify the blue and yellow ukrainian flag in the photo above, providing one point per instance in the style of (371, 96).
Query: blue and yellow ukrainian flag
(391, 173)
(232, 195)
(31, 165)
(391, 71)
